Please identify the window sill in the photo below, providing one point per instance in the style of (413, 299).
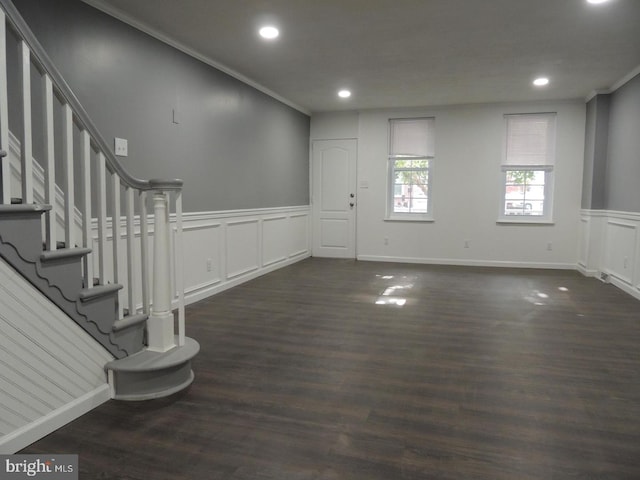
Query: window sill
(518, 220)
(409, 218)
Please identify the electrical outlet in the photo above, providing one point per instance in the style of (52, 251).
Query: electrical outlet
(121, 147)
(386, 241)
(549, 246)
(209, 264)
(467, 243)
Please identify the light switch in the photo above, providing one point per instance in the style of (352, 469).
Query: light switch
(121, 147)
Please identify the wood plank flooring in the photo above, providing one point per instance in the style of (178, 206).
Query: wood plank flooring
(494, 374)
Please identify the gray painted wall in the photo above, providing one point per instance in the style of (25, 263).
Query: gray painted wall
(589, 147)
(623, 165)
(596, 146)
(234, 146)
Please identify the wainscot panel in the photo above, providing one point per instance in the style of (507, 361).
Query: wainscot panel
(611, 243)
(232, 247)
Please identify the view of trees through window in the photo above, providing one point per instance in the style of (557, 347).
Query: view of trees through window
(411, 186)
(524, 192)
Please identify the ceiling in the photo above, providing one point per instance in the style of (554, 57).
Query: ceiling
(403, 53)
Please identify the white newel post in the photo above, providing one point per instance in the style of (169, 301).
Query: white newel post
(160, 323)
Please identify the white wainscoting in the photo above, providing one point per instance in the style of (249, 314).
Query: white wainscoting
(610, 248)
(224, 249)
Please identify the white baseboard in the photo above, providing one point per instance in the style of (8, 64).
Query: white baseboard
(624, 286)
(587, 272)
(467, 263)
(26, 435)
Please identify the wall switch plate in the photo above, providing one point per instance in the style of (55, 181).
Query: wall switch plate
(121, 147)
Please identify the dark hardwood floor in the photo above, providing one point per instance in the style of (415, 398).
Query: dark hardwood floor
(481, 374)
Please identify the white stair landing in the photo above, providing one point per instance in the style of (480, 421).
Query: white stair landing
(147, 375)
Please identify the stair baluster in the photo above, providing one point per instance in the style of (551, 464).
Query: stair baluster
(67, 162)
(116, 234)
(131, 260)
(85, 205)
(144, 253)
(50, 167)
(26, 151)
(179, 275)
(4, 113)
(101, 186)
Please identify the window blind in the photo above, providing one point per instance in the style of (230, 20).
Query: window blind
(412, 138)
(530, 140)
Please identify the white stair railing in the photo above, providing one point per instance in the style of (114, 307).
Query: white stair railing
(94, 168)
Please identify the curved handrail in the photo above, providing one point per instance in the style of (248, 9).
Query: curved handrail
(156, 184)
(64, 90)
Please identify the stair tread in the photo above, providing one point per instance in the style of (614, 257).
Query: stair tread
(147, 360)
(100, 290)
(64, 253)
(24, 207)
(129, 321)
(157, 392)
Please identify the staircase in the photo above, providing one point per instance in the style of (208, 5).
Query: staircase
(75, 238)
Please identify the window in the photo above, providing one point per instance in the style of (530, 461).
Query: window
(527, 168)
(411, 154)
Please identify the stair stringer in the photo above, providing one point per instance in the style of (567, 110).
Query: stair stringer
(61, 282)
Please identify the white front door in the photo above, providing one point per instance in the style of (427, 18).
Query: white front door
(334, 198)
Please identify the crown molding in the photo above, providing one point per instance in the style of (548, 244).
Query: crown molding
(628, 77)
(605, 91)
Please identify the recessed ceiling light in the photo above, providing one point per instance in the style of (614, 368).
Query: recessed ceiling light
(344, 93)
(541, 82)
(269, 32)
(596, 2)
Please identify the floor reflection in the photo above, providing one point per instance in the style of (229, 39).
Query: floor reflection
(392, 295)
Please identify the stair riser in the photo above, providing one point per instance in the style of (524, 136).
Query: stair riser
(102, 310)
(24, 232)
(135, 386)
(130, 338)
(65, 274)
